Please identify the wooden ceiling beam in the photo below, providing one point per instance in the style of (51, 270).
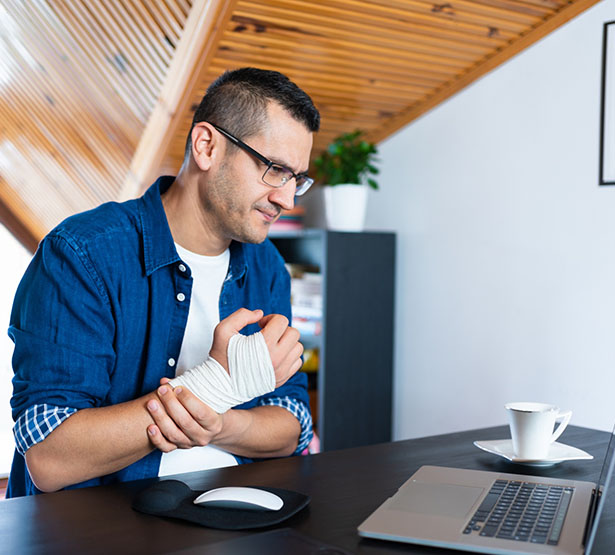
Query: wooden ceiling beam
(332, 56)
(394, 124)
(197, 45)
(342, 70)
(318, 26)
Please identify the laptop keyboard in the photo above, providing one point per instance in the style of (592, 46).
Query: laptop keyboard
(522, 511)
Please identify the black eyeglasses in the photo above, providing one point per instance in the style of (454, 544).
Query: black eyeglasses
(275, 175)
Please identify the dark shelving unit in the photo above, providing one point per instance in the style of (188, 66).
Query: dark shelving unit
(354, 383)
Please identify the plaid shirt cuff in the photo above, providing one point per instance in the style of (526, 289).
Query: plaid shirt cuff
(34, 425)
(300, 412)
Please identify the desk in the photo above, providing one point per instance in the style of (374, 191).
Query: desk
(345, 487)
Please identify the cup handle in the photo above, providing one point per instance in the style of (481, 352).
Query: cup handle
(565, 416)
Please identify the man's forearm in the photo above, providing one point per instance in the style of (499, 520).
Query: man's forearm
(91, 443)
(259, 432)
(99, 441)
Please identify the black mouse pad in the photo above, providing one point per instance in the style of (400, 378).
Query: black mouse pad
(174, 499)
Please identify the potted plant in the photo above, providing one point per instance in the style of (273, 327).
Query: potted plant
(345, 170)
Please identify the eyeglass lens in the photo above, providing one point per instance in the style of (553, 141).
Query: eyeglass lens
(278, 176)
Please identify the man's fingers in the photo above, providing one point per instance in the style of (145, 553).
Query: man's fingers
(165, 425)
(290, 367)
(295, 367)
(290, 364)
(289, 346)
(158, 440)
(240, 319)
(183, 422)
(227, 328)
(203, 414)
(282, 341)
(263, 321)
(294, 355)
(280, 347)
(274, 328)
(289, 337)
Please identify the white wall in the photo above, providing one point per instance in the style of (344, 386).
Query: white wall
(506, 244)
(16, 259)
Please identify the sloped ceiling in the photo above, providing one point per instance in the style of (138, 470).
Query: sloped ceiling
(97, 95)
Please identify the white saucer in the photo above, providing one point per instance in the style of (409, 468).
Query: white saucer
(558, 452)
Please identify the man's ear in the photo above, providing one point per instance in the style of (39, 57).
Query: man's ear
(206, 145)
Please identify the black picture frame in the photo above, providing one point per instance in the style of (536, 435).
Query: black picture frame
(607, 107)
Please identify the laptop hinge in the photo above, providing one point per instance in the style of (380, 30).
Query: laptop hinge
(591, 514)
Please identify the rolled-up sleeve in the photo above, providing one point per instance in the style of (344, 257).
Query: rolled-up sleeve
(36, 423)
(301, 412)
(63, 331)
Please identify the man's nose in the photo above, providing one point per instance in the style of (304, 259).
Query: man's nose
(284, 196)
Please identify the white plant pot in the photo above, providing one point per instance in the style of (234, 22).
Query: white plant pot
(345, 207)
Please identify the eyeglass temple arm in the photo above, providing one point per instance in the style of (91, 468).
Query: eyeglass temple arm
(243, 145)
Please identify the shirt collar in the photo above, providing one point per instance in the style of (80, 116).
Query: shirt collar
(158, 245)
(238, 265)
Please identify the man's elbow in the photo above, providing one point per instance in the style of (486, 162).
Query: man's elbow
(42, 470)
(289, 448)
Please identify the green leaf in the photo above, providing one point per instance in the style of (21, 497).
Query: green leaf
(348, 159)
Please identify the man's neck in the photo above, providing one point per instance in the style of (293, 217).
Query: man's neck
(187, 220)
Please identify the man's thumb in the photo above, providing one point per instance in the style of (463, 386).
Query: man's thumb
(242, 318)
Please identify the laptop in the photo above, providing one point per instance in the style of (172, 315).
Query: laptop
(491, 512)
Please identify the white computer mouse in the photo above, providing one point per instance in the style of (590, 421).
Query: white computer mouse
(253, 499)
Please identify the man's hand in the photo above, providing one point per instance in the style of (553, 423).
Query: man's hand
(284, 347)
(181, 420)
(227, 328)
(282, 341)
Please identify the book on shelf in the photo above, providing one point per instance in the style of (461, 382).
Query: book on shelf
(289, 220)
(307, 327)
(306, 298)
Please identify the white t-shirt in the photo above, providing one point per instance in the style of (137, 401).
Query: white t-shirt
(208, 273)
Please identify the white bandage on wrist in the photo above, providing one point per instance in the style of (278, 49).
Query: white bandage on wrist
(251, 374)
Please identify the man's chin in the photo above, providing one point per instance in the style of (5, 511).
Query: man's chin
(253, 236)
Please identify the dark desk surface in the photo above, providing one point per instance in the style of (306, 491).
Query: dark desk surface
(345, 487)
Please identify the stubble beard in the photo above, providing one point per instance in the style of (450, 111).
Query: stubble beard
(233, 219)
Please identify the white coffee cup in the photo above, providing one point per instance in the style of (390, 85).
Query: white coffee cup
(531, 428)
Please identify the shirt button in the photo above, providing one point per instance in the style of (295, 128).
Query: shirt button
(171, 362)
(182, 268)
(181, 297)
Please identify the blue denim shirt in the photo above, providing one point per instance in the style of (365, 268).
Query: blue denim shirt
(98, 315)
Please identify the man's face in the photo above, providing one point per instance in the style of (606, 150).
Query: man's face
(235, 195)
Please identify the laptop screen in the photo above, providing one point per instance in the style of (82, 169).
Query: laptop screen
(604, 482)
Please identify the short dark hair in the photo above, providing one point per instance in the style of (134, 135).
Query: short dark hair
(237, 102)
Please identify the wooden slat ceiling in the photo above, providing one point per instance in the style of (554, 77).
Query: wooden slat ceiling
(97, 95)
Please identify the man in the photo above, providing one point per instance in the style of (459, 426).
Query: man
(119, 299)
